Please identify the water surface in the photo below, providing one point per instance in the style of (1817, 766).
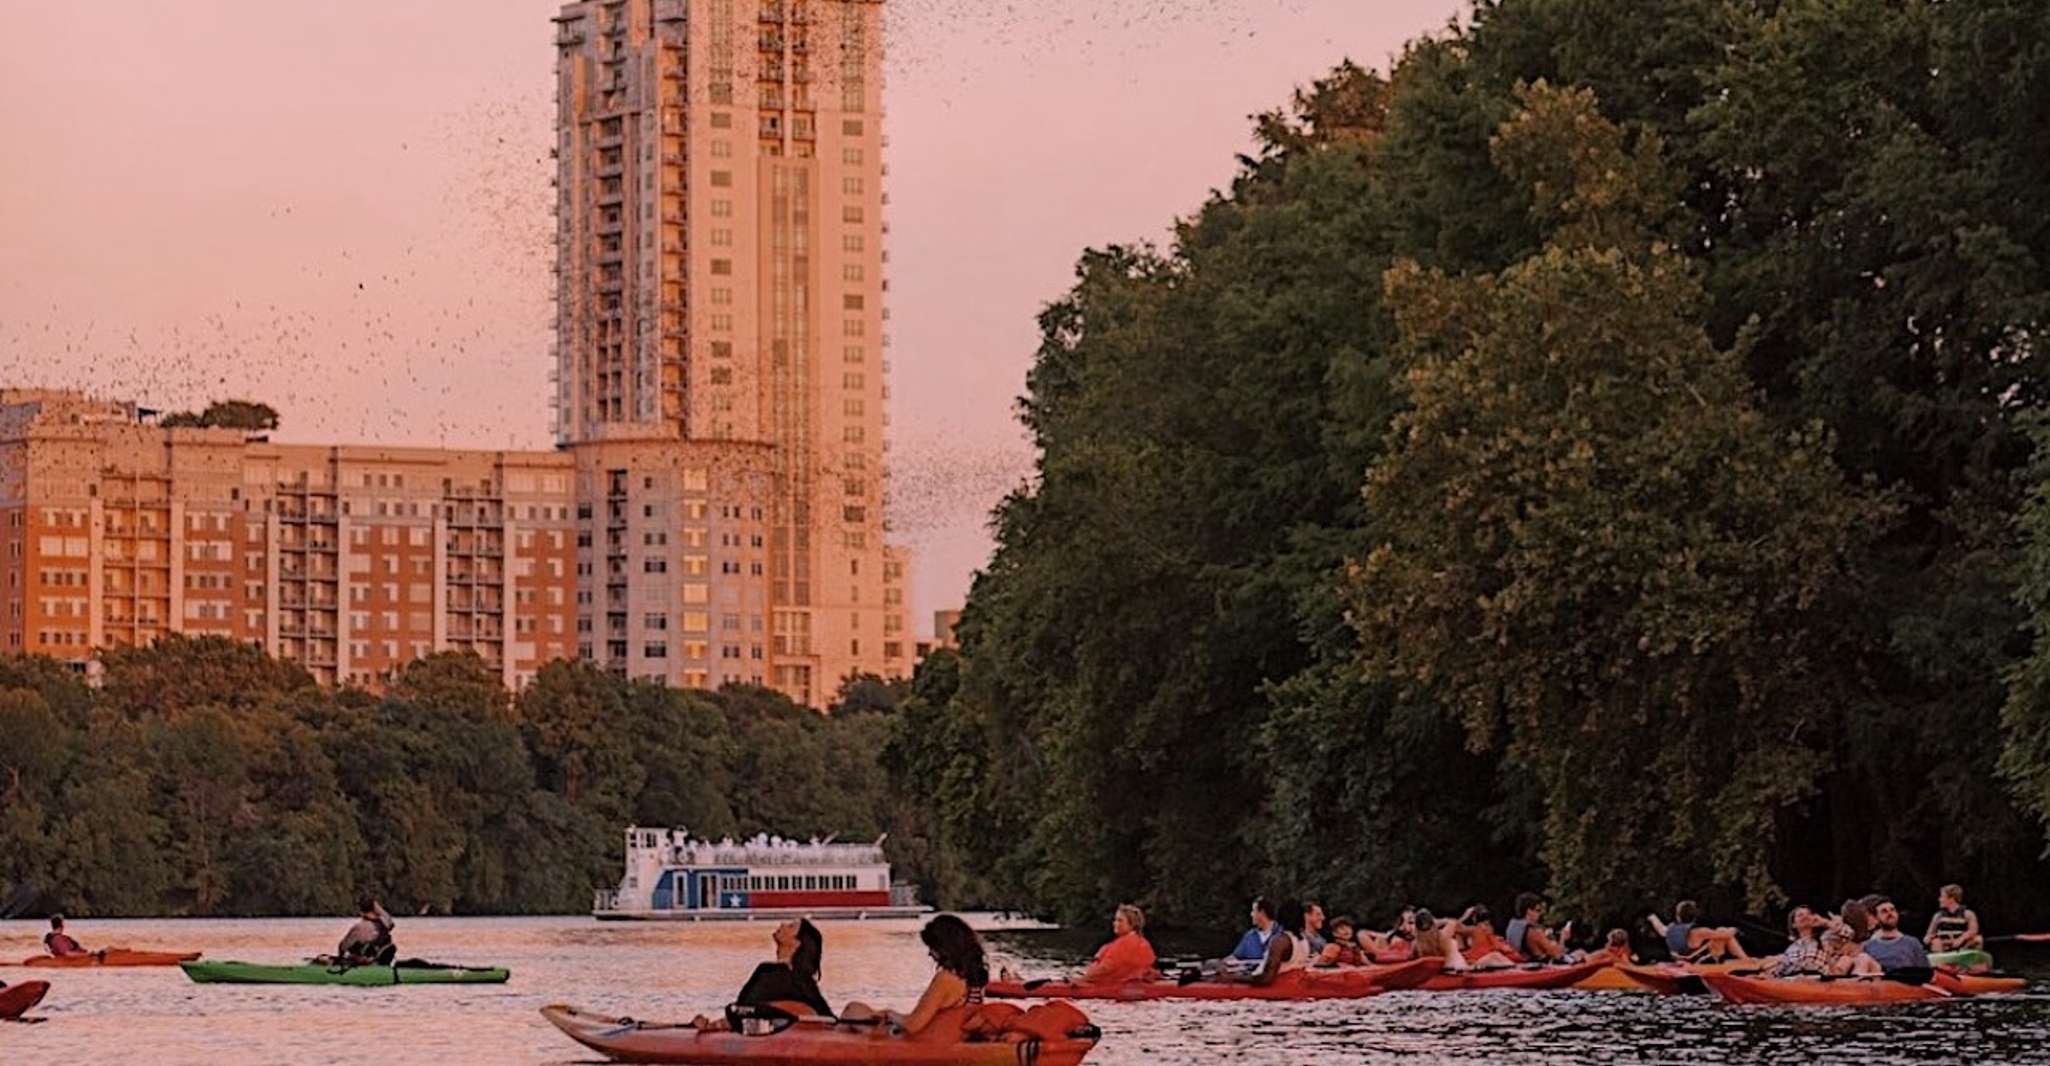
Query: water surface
(669, 972)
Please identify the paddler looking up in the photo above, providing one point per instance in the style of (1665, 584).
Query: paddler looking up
(1891, 948)
(59, 943)
(788, 986)
(369, 940)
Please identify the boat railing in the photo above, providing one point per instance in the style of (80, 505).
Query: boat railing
(605, 899)
(822, 855)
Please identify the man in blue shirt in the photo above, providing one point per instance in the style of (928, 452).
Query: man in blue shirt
(1891, 948)
(1253, 946)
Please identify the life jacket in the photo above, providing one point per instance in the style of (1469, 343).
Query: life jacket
(1679, 936)
(1056, 1020)
(1516, 932)
(1952, 923)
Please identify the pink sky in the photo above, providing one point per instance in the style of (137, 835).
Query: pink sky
(342, 208)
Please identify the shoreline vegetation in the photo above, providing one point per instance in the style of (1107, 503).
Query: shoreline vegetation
(204, 778)
(1602, 455)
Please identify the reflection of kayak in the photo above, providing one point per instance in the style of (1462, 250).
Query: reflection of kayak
(113, 957)
(1841, 991)
(1534, 977)
(1972, 961)
(249, 973)
(1609, 978)
(1349, 983)
(17, 999)
(626, 1040)
(1976, 984)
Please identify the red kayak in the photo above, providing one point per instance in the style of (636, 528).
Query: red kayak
(1844, 991)
(1975, 984)
(17, 999)
(113, 957)
(1396, 976)
(1530, 977)
(805, 1044)
(1349, 983)
(1296, 984)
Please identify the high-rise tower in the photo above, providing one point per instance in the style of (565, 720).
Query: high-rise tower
(720, 308)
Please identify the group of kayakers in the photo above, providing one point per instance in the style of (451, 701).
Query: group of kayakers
(1862, 938)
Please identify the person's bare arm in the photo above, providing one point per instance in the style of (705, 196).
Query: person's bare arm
(1280, 949)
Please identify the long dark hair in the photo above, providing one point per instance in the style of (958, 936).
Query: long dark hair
(957, 949)
(811, 947)
(1291, 918)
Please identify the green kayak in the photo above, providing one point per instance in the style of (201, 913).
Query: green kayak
(1963, 960)
(250, 973)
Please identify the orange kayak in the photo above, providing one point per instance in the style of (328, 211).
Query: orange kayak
(1682, 978)
(1976, 984)
(626, 1040)
(1844, 991)
(17, 999)
(113, 957)
(1296, 984)
(1529, 977)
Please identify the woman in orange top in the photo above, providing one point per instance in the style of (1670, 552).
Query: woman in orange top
(1484, 949)
(1128, 956)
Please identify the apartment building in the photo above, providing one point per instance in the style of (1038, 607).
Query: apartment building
(713, 510)
(350, 560)
(719, 283)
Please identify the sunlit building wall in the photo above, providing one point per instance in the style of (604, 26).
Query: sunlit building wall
(719, 283)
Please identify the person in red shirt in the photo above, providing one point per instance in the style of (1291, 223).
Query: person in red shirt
(1128, 956)
(1343, 949)
(58, 942)
(1484, 950)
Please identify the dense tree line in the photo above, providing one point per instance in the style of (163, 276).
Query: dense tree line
(204, 777)
(1600, 454)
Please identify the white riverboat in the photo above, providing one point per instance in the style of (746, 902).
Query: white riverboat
(672, 877)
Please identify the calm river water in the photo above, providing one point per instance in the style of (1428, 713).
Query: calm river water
(673, 971)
